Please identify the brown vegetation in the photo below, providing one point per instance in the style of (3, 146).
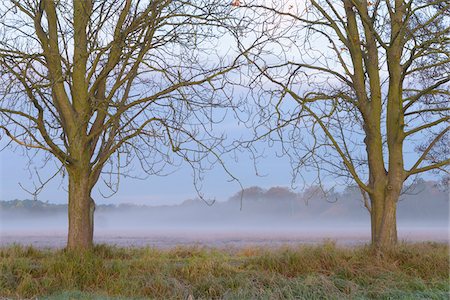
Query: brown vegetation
(303, 272)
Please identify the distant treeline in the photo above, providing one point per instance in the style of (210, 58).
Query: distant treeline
(37, 206)
(425, 200)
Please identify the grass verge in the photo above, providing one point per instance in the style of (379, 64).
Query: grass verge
(410, 271)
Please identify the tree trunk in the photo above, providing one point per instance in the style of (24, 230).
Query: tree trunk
(81, 212)
(91, 217)
(384, 220)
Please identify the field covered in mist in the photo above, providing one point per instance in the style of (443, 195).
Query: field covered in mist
(273, 217)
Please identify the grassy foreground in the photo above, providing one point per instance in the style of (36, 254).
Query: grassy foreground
(411, 271)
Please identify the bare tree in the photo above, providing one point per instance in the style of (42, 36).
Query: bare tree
(98, 83)
(369, 81)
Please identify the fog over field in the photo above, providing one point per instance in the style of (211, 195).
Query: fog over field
(272, 216)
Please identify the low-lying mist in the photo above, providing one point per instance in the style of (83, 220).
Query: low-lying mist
(272, 216)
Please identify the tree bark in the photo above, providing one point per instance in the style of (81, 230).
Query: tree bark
(384, 219)
(81, 211)
(91, 217)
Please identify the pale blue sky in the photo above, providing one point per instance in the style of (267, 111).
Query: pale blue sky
(171, 189)
(155, 190)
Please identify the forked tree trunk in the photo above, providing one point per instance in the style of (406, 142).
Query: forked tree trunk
(81, 209)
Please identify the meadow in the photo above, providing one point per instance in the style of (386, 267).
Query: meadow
(325, 271)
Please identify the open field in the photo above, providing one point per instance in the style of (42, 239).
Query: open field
(326, 271)
(220, 237)
(167, 240)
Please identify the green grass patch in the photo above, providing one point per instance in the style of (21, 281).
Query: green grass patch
(410, 271)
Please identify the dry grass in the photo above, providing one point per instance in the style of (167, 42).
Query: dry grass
(411, 271)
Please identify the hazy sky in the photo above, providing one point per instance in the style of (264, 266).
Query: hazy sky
(170, 189)
(173, 188)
